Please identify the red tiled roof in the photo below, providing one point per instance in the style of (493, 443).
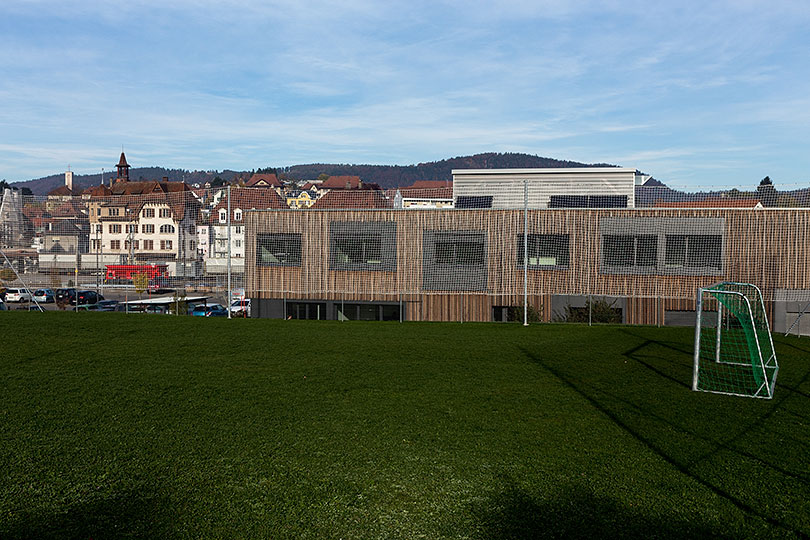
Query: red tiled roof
(430, 184)
(262, 180)
(151, 186)
(180, 203)
(710, 203)
(353, 199)
(98, 191)
(37, 215)
(248, 199)
(308, 186)
(342, 182)
(61, 191)
(71, 208)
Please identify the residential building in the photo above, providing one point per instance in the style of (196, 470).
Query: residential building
(242, 201)
(299, 198)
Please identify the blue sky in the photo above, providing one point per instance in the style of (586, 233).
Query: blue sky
(695, 93)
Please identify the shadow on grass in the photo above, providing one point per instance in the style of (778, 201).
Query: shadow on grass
(634, 354)
(596, 400)
(515, 513)
(129, 515)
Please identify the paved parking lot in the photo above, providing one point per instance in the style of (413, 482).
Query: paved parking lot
(122, 295)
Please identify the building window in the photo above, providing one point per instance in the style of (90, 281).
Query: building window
(366, 312)
(662, 245)
(113, 211)
(363, 245)
(693, 251)
(630, 251)
(148, 229)
(548, 251)
(454, 260)
(115, 244)
(148, 212)
(237, 243)
(191, 244)
(127, 244)
(306, 310)
(278, 249)
(166, 229)
(99, 228)
(148, 245)
(165, 213)
(165, 244)
(473, 201)
(95, 244)
(588, 201)
(237, 215)
(237, 230)
(131, 229)
(115, 228)
(223, 216)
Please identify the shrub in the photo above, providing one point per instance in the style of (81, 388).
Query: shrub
(515, 314)
(601, 311)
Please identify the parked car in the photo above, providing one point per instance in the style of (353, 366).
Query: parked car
(103, 305)
(106, 305)
(130, 308)
(44, 296)
(87, 297)
(240, 308)
(18, 295)
(66, 296)
(210, 310)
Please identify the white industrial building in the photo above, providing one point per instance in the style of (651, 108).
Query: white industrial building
(585, 187)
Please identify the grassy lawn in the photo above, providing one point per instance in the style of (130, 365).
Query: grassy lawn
(116, 426)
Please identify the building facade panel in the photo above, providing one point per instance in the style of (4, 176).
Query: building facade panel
(766, 247)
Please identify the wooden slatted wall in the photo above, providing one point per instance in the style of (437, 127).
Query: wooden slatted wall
(766, 247)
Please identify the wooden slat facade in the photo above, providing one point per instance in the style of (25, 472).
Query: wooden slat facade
(767, 247)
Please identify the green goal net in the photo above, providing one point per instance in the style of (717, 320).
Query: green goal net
(734, 351)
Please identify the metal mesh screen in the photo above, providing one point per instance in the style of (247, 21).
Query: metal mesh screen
(414, 254)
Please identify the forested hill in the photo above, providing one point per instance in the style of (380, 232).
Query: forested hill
(405, 175)
(386, 176)
(42, 186)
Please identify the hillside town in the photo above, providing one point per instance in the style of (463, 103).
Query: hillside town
(184, 227)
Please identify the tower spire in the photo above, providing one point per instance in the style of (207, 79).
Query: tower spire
(123, 168)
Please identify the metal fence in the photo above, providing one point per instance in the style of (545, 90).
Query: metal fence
(576, 257)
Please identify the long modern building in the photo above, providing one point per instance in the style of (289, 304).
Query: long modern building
(468, 265)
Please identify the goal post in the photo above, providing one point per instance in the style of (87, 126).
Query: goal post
(734, 351)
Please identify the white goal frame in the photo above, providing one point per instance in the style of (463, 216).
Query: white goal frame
(750, 369)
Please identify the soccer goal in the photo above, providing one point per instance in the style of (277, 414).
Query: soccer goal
(734, 351)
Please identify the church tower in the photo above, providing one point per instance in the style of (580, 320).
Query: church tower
(123, 169)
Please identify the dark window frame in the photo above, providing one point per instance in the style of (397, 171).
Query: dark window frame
(363, 246)
(288, 244)
(588, 201)
(473, 202)
(707, 239)
(447, 266)
(635, 247)
(677, 257)
(538, 251)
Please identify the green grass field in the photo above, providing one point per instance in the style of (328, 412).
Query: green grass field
(116, 426)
